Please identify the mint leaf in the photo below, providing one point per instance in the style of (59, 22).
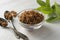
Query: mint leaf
(45, 7)
(40, 2)
(55, 16)
(45, 10)
(53, 19)
(48, 3)
(57, 9)
(53, 6)
(50, 19)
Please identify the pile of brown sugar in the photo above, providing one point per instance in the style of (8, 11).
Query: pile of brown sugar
(3, 22)
(31, 17)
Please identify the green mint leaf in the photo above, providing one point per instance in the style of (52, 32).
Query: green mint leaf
(41, 3)
(57, 9)
(53, 6)
(45, 10)
(48, 3)
(53, 19)
(45, 7)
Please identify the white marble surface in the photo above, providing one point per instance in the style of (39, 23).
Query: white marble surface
(48, 31)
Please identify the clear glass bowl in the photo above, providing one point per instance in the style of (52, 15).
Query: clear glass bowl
(30, 27)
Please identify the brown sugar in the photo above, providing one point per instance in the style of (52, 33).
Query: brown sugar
(8, 15)
(13, 13)
(31, 17)
(3, 22)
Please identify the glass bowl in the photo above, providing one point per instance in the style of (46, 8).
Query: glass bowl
(31, 27)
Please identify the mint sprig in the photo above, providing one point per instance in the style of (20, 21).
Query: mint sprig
(52, 11)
